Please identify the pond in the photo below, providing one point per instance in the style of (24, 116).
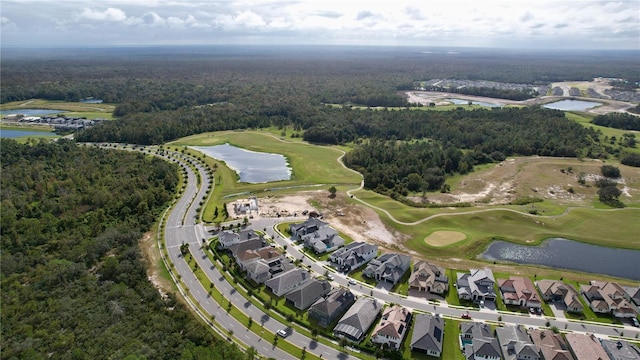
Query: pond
(31, 112)
(474, 102)
(252, 167)
(24, 133)
(572, 105)
(571, 255)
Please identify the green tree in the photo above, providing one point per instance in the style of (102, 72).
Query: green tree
(332, 191)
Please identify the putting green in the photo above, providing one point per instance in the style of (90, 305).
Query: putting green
(443, 238)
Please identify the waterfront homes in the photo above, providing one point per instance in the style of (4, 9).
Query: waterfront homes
(287, 281)
(353, 256)
(555, 290)
(609, 297)
(519, 291)
(358, 319)
(552, 346)
(476, 285)
(585, 347)
(227, 238)
(478, 342)
(428, 278)
(326, 309)
(516, 344)
(388, 267)
(393, 326)
(308, 293)
(316, 235)
(428, 334)
(620, 350)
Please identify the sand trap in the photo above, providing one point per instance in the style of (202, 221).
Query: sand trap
(444, 238)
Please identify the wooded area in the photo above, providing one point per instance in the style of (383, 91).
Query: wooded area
(74, 283)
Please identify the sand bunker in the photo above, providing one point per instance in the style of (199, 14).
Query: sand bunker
(444, 238)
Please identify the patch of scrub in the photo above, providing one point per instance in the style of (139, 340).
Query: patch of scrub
(442, 238)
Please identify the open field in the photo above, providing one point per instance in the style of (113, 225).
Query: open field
(78, 109)
(584, 119)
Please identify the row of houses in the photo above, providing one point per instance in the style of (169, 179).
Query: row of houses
(478, 341)
(59, 122)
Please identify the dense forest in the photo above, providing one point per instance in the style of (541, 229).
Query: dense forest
(618, 121)
(74, 284)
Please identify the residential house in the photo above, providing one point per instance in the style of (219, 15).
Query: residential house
(516, 344)
(476, 285)
(620, 350)
(358, 319)
(353, 256)
(269, 263)
(428, 278)
(227, 238)
(241, 247)
(585, 347)
(519, 291)
(249, 256)
(633, 294)
(287, 281)
(326, 309)
(428, 334)
(308, 293)
(388, 267)
(393, 326)
(609, 297)
(554, 290)
(478, 342)
(316, 235)
(552, 346)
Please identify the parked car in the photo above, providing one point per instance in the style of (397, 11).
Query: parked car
(284, 332)
(466, 315)
(352, 282)
(330, 277)
(635, 322)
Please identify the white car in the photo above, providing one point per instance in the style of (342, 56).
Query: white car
(352, 282)
(282, 332)
(330, 277)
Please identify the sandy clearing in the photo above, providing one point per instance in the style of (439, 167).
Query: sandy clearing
(442, 238)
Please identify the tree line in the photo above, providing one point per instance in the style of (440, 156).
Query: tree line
(618, 121)
(74, 283)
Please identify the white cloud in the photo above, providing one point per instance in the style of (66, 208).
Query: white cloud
(110, 14)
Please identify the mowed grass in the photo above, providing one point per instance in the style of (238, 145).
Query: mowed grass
(585, 120)
(76, 109)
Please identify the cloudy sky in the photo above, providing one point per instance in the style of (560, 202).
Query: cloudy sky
(487, 23)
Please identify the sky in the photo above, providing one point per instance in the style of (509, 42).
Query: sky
(537, 24)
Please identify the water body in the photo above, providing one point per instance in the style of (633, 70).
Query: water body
(572, 255)
(23, 133)
(252, 167)
(572, 105)
(31, 112)
(474, 102)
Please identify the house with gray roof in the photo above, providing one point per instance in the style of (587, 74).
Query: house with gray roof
(307, 294)
(316, 235)
(428, 278)
(328, 308)
(516, 344)
(353, 256)
(476, 285)
(633, 294)
(288, 281)
(388, 267)
(478, 342)
(241, 247)
(393, 326)
(353, 325)
(428, 334)
(552, 346)
(620, 349)
(227, 238)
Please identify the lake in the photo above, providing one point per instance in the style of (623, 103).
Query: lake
(572, 105)
(572, 255)
(24, 133)
(31, 112)
(474, 102)
(252, 167)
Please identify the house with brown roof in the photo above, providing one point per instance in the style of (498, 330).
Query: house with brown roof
(328, 308)
(428, 278)
(304, 296)
(428, 334)
(393, 326)
(552, 346)
(585, 347)
(609, 297)
(519, 291)
(555, 290)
